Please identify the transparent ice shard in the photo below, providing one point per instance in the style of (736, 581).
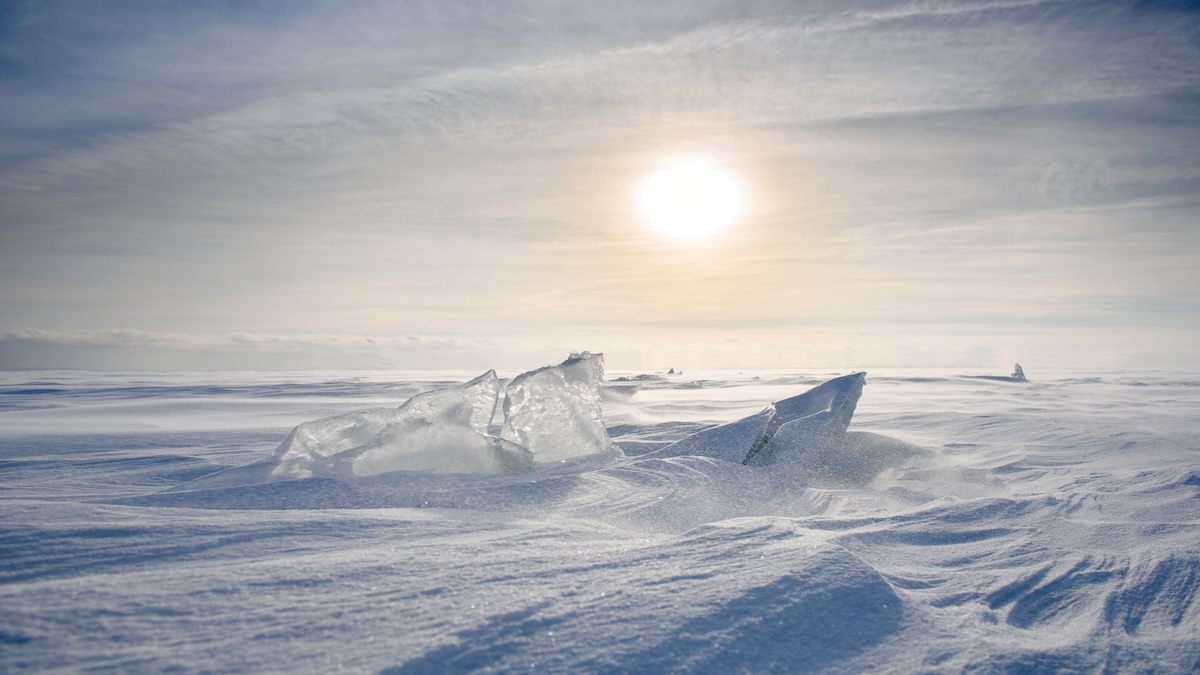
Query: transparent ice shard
(441, 431)
(318, 447)
(443, 448)
(551, 414)
(796, 427)
(470, 405)
(729, 442)
(554, 411)
(811, 423)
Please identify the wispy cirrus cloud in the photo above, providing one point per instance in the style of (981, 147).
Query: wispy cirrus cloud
(917, 57)
(454, 169)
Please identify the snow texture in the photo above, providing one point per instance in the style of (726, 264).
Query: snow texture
(962, 523)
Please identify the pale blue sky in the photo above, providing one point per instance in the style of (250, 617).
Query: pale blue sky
(452, 184)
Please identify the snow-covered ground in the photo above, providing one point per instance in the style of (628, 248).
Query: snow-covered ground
(973, 525)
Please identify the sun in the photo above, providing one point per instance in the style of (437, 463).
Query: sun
(690, 199)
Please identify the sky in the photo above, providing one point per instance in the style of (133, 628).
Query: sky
(268, 185)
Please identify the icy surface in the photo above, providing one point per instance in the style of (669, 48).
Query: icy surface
(808, 429)
(800, 431)
(550, 414)
(444, 448)
(443, 431)
(964, 525)
(730, 442)
(554, 412)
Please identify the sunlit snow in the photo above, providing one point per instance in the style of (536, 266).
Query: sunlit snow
(714, 522)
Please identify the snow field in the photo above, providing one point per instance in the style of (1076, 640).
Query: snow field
(972, 525)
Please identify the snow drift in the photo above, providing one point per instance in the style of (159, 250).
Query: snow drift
(959, 524)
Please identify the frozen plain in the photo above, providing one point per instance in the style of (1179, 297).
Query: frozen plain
(987, 526)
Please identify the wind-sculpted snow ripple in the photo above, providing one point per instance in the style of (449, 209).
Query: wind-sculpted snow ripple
(959, 524)
(749, 595)
(1158, 593)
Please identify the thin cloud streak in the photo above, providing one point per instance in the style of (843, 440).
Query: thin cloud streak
(908, 162)
(846, 66)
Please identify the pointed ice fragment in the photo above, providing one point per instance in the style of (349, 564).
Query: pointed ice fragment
(794, 426)
(729, 442)
(555, 411)
(810, 423)
(469, 405)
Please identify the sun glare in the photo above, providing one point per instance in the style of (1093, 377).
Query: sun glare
(690, 199)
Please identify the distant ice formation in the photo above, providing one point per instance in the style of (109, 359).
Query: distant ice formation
(796, 430)
(1018, 375)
